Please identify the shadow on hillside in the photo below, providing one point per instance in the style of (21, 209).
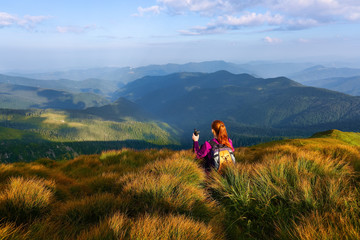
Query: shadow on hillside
(27, 151)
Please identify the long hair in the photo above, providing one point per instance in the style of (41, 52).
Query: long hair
(221, 133)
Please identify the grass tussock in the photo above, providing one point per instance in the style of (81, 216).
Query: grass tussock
(290, 189)
(25, 199)
(174, 185)
(186, 171)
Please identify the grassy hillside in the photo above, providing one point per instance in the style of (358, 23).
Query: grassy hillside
(352, 138)
(26, 135)
(55, 125)
(290, 189)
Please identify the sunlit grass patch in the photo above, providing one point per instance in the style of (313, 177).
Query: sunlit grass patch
(11, 231)
(165, 193)
(9, 170)
(113, 156)
(186, 171)
(328, 225)
(120, 226)
(170, 227)
(284, 185)
(25, 199)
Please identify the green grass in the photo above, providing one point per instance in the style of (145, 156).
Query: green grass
(351, 138)
(62, 126)
(291, 189)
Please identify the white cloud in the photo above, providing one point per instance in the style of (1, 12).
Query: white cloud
(75, 29)
(252, 19)
(9, 20)
(314, 9)
(225, 23)
(153, 9)
(272, 40)
(227, 15)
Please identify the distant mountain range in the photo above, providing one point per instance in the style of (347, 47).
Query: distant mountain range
(320, 72)
(105, 81)
(253, 107)
(128, 74)
(190, 100)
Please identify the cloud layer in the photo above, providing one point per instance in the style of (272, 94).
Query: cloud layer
(227, 15)
(9, 20)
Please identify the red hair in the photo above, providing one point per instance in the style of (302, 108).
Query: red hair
(221, 133)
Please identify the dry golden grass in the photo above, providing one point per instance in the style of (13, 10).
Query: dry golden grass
(278, 183)
(165, 193)
(11, 231)
(186, 171)
(160, 227)
(120, 225)
(328, 225)
(24, 199)
(292, 189)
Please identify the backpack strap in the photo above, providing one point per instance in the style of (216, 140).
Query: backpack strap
(213, 143)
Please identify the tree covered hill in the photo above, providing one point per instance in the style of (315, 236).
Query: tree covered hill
(28, 134)
(100, 87)
(289, 189)
(348, 85)
(196, 99)
(14, 96)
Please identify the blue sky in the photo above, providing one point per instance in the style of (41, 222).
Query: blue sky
(48, 35)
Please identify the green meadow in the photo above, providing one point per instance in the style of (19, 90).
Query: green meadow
(289, 189)
(60, 126)
(26, 135)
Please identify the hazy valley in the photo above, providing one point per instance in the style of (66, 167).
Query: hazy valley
(162, 104)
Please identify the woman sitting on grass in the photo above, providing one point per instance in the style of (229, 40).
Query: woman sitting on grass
(217, 151)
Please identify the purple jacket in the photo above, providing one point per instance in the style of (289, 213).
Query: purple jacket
(204, 151)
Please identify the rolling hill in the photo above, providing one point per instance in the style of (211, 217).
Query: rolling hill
(26, 135)
(14, 96)
(128, 74)
(195, 99)
(91, 85)
(348, 85)
(319, 72)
